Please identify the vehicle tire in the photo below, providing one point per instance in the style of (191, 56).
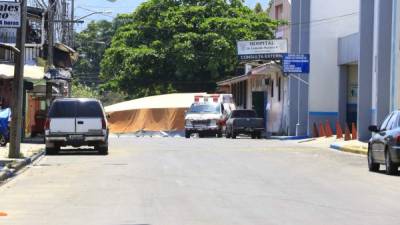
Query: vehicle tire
(258, 135)
(187, 134)
(234, 134)
(50, 151)
(219, 134)
(103, 150)
(391, 168)
(372, 166)
(253, 136)
(227, 134)
(3, 141)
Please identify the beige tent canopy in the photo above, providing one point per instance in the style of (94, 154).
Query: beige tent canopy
(155, 113)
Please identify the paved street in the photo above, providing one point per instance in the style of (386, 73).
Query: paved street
(175, 181)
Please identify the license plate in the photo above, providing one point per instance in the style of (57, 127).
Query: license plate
(249, 129)
(76, 137)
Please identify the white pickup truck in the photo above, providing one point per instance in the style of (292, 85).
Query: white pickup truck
(76, 122)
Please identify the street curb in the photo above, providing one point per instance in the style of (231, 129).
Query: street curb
(288, 138)
(349, 149)
(8, 173)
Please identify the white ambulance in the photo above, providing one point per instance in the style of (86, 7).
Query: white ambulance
(208, 114)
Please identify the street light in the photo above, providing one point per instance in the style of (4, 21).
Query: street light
(79, 20)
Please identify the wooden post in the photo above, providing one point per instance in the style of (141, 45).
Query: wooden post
(18, 88)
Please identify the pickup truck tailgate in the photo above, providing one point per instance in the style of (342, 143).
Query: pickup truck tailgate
(88, 125)
(62, 125)
(249, 122)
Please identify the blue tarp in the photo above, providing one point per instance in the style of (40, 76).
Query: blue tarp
(4, 120)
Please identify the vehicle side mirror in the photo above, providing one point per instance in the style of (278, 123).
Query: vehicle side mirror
(108, 116)
(373, 128)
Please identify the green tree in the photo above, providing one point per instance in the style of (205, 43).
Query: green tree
(82, 91)
(270, 5)
(91, 44)
(258, 8)
(180, 45)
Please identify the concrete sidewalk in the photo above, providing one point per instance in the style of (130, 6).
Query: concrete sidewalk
(353, 146)
(29, 153)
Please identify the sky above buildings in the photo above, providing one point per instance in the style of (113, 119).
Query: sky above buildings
(111, 9)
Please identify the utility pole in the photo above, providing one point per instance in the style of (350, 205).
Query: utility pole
(72, 25)
(18, 87)
(50, 49)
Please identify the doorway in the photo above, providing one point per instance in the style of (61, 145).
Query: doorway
(259, 103)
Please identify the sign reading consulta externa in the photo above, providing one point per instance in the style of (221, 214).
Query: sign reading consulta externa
(10, 14)
(261, 49)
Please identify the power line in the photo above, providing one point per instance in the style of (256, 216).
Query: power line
(324, 19)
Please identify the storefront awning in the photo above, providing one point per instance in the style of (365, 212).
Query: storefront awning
(30, 72)
(260, 70)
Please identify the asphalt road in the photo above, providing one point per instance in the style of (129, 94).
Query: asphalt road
(174, 181)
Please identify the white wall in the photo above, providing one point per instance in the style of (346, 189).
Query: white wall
(329, 21)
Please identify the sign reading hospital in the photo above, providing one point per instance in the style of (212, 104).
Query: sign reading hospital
(261, 49)
(296, 63)
(10, 14)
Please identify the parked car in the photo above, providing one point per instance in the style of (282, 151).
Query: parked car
(205, 118)
(384, 146)
(76, 122)
(244, 122)
(5, 116)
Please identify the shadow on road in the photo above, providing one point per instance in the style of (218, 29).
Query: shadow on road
(78, 151)
(383, 172)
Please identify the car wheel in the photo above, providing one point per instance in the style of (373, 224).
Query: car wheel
(253, 136)
(227, 134)
(3, 141)
(50, 151)
(187, 134)
(234, 134)
(103, 150)
(372, 166)
(219, 134)
(391, 168)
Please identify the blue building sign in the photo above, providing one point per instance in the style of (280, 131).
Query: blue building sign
(296, 63)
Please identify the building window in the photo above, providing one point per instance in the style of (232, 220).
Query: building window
(279, 12)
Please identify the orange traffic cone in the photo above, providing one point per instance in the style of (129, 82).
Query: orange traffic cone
(353, 131)
(328, 129)
(315, 130)
(3, 214)
(321, 130)
(347, 136)
(339, 131)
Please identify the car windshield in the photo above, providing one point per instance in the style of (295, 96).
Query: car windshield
(244, 114)
(205, 108)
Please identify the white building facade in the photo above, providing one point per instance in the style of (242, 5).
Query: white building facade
(354, 56)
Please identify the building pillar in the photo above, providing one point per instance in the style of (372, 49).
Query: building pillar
(395, 57)
(384, 59)
(365, 68)
(300, 43)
